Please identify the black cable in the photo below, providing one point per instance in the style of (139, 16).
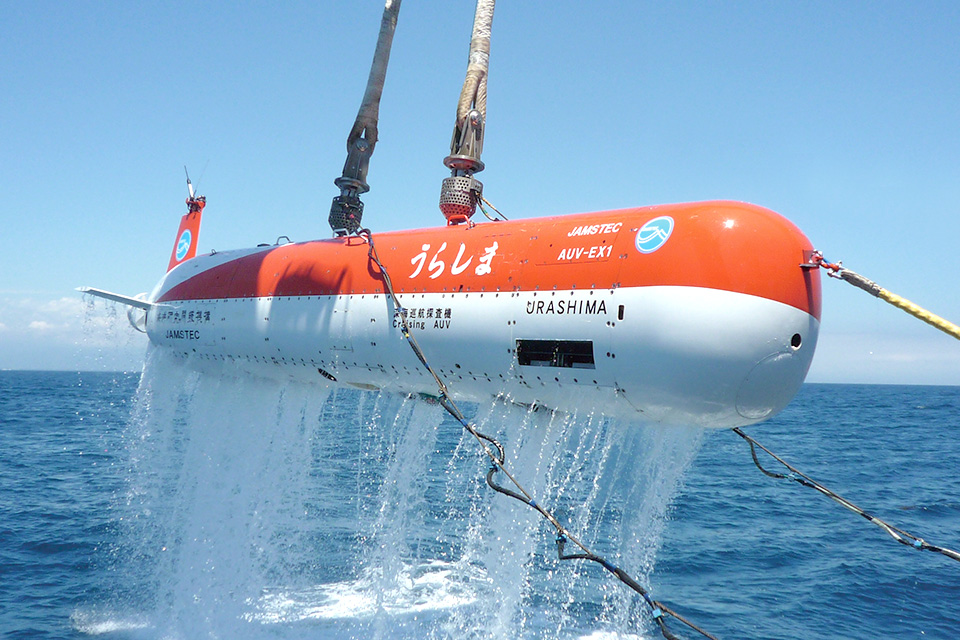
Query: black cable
(901, 536)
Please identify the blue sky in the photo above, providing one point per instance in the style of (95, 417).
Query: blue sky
(841, 116)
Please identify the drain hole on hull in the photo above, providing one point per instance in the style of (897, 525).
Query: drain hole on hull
(796, 341)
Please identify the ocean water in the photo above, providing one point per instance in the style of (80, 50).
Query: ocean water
(184, 505)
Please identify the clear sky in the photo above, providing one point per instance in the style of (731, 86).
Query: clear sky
(841, 116)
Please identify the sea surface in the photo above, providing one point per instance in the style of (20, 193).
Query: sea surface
(177, 505)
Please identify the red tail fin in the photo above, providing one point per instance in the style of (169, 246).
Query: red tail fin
(186, 245)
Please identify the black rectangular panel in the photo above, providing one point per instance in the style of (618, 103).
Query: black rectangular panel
(573, 354)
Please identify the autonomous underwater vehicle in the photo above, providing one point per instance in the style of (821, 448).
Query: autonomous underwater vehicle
(704, 313)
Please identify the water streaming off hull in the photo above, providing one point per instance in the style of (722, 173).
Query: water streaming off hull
(266, 509)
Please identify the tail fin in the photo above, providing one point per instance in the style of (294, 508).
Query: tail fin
(186, 245)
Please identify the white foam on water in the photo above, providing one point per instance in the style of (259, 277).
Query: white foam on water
(259, 508)
(433, 586)
(96, 624)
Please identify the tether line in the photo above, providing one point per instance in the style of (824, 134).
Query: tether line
(901, 536)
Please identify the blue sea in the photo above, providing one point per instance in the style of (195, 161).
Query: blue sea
(184, 505)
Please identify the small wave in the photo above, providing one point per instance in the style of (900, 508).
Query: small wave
(933, 507)
(433, 586)
(93, 624)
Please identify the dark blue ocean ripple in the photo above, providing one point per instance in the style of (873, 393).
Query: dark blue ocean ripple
(59, 435)
(797, 564)
(743, 555)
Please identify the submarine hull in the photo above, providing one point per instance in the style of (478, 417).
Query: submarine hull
(684, 314)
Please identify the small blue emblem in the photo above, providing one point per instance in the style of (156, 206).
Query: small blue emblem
(654, 234)
(183, 244)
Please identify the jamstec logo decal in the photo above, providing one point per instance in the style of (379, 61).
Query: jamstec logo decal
(183, 244)
(654, 234)
(183, 334)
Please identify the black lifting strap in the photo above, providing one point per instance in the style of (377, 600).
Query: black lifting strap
(346, 210)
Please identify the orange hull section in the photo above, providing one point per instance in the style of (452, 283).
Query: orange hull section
(728, 246)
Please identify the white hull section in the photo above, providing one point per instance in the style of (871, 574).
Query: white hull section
(681, 355)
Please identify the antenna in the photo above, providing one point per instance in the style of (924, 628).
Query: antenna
(189, 184)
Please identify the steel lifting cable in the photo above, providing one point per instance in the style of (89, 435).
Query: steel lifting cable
(901, 536)
(461, 193)
(837, 270)
(473, 95)
(495, 451)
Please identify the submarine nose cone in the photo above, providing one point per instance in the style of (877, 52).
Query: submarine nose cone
(774, 381)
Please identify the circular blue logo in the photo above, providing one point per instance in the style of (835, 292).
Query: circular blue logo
(183, 244)
(654, 234)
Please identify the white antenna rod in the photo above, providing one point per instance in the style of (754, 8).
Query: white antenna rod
(189, 184)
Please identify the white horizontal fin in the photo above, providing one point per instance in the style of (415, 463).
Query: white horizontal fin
(116, 297)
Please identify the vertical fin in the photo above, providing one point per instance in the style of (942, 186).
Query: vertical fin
(185, 246)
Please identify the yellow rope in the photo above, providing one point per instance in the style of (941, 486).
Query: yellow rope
(839, 271)
(919, 312)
